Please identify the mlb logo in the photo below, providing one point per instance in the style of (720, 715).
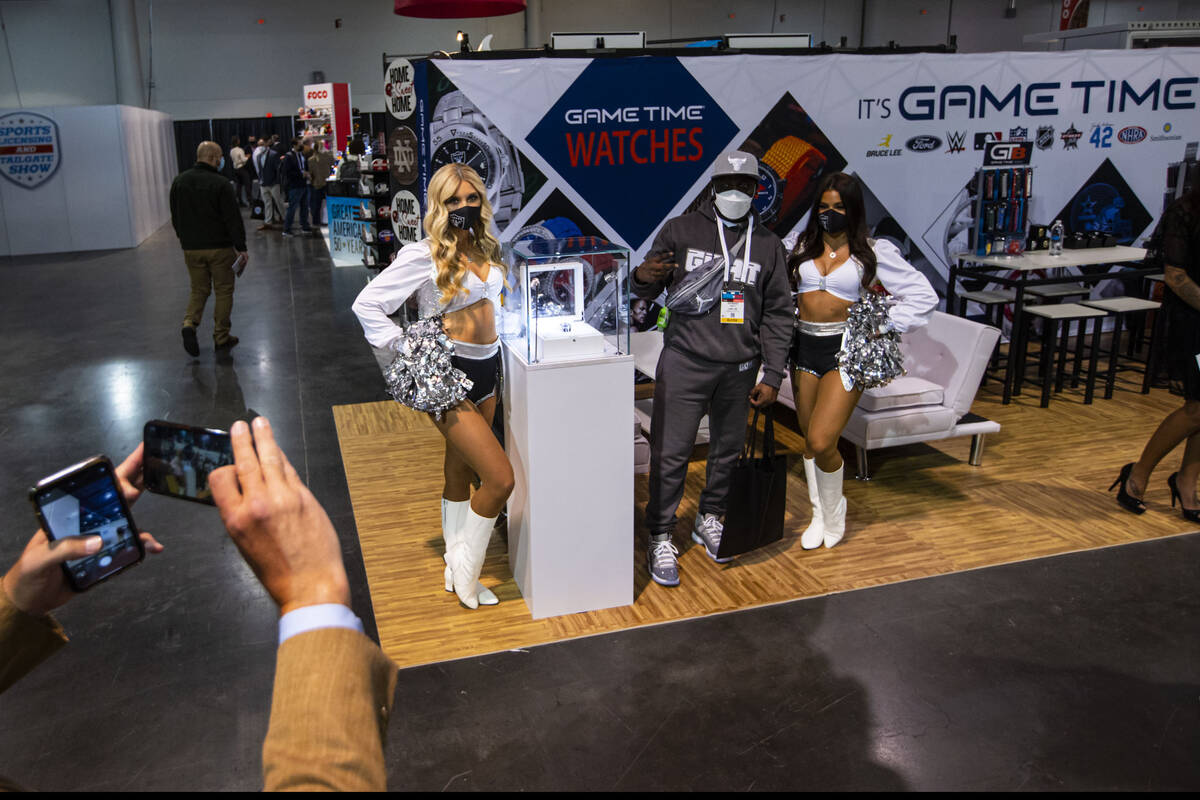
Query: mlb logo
(982, 139)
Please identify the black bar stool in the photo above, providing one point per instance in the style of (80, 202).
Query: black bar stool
(1051, 315)
(1119, 307)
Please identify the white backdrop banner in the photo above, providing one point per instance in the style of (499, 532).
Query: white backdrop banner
(616, 146)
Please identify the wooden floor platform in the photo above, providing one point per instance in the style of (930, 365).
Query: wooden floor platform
(1040, 492)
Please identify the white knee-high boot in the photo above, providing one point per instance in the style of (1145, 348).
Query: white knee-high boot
(814, 534)
(833, 504)
(454, 512)
(466, 559)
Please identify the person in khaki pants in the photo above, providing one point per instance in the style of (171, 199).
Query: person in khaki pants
(205, 214)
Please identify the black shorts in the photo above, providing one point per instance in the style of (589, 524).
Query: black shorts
(813, 354)
(1182, 348)
(483, 372)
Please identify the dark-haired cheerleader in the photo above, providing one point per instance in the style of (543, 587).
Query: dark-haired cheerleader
(834, 265)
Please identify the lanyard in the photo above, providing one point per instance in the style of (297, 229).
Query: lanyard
(725, 248)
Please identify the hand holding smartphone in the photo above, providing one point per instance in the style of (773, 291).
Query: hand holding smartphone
(85, 500)
(179, 459)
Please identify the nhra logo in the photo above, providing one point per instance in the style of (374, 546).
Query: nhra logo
(1131, 135)
(625, 123)
(29, 149)
(1045, 137)
(956, 141)
(923, 144)
(318, 94)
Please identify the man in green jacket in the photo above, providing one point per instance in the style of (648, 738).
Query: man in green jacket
(205, 214)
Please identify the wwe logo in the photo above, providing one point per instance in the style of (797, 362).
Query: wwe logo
(956, 142)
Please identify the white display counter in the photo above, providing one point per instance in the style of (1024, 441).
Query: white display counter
(109, 186)
(570, 516)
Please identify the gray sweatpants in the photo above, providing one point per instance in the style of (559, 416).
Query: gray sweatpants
(686, 388)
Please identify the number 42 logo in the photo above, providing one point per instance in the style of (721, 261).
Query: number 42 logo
(1101, 136)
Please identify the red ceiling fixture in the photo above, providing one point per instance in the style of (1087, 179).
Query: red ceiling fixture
(457, 9)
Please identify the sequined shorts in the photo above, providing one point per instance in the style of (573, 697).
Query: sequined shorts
(815, 346)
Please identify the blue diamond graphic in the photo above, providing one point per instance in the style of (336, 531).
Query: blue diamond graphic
(631, 136)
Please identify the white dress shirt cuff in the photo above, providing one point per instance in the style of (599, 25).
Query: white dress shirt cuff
(310, 618)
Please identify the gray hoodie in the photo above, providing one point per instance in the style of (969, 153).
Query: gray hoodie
(767, 331)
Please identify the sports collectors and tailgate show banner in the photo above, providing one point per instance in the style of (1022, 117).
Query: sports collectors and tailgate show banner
(615, 146)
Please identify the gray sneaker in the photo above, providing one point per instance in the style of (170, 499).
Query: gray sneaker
(707, 531)
(661, 561)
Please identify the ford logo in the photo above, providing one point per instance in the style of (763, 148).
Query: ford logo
(926, 144)
(1131, 135)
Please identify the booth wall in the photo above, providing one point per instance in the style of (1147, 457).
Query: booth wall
(213, 60)
(110, 189)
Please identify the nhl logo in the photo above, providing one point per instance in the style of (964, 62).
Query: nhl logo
(1045, 137)
(29, 148)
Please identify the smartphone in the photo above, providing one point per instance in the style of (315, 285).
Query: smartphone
(85, 500)
(179, 458)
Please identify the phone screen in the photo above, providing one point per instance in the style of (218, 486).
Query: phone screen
(179, 459)
(87, 502)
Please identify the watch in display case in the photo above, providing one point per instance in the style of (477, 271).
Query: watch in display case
(549, 315)
(461, 134)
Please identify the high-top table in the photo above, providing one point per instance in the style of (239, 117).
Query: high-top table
(1020, 272)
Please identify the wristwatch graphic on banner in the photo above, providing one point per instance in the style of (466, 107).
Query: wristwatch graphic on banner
(461, 134)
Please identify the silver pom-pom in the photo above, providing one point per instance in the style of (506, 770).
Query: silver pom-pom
(422, 376)
(868, 357)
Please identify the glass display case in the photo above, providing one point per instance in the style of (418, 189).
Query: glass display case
(566, 299)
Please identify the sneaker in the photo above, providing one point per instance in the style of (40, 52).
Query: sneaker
(228, 343)
(661, 561)
(289, 234)
(707, 531)
(189, 341)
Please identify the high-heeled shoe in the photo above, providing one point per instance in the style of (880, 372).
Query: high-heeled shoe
(1190, 514)
(1128, 501)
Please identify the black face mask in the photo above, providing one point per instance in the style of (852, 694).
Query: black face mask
(832, 221)
(465, 217)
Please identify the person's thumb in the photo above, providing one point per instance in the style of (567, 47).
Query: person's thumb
(74, 547)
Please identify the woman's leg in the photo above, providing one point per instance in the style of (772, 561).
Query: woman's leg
(804, 391)
(833, 409)
(1180, 424)
(1189, 473)
(471, 447)
(828, 419)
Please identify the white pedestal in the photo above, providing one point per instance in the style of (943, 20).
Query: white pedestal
(570, 516)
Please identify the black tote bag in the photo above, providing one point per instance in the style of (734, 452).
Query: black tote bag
(757, 495)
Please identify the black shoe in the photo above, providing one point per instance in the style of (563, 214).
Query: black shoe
(1190, 514)
(287, 233)
(1128, 501)
(189, 342)
(227, 344)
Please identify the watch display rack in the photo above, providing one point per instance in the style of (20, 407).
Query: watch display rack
(1001, 210)
(566, 299)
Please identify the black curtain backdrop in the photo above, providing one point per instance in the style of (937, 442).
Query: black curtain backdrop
(190, 133)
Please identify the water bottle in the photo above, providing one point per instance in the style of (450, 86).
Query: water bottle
(1056, 238)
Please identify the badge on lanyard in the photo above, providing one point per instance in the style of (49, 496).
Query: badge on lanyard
(733, 307)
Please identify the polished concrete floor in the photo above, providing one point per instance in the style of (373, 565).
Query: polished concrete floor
(1079, 672)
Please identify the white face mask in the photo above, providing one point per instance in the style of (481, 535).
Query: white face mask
(733, 204)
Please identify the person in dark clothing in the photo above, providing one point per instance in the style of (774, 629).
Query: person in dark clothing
(710, 361)
(204, 211)
(295, 183)
(1180, 229)
(269, 179)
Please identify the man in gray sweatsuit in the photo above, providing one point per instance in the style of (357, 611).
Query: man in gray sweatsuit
(710, 361)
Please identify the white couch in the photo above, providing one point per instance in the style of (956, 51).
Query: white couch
(945, 360)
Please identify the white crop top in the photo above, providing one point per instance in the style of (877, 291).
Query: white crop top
(412, 272)
(913, 298)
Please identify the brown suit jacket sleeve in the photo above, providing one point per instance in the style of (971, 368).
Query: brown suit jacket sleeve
(329, 714)
(25, 641)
